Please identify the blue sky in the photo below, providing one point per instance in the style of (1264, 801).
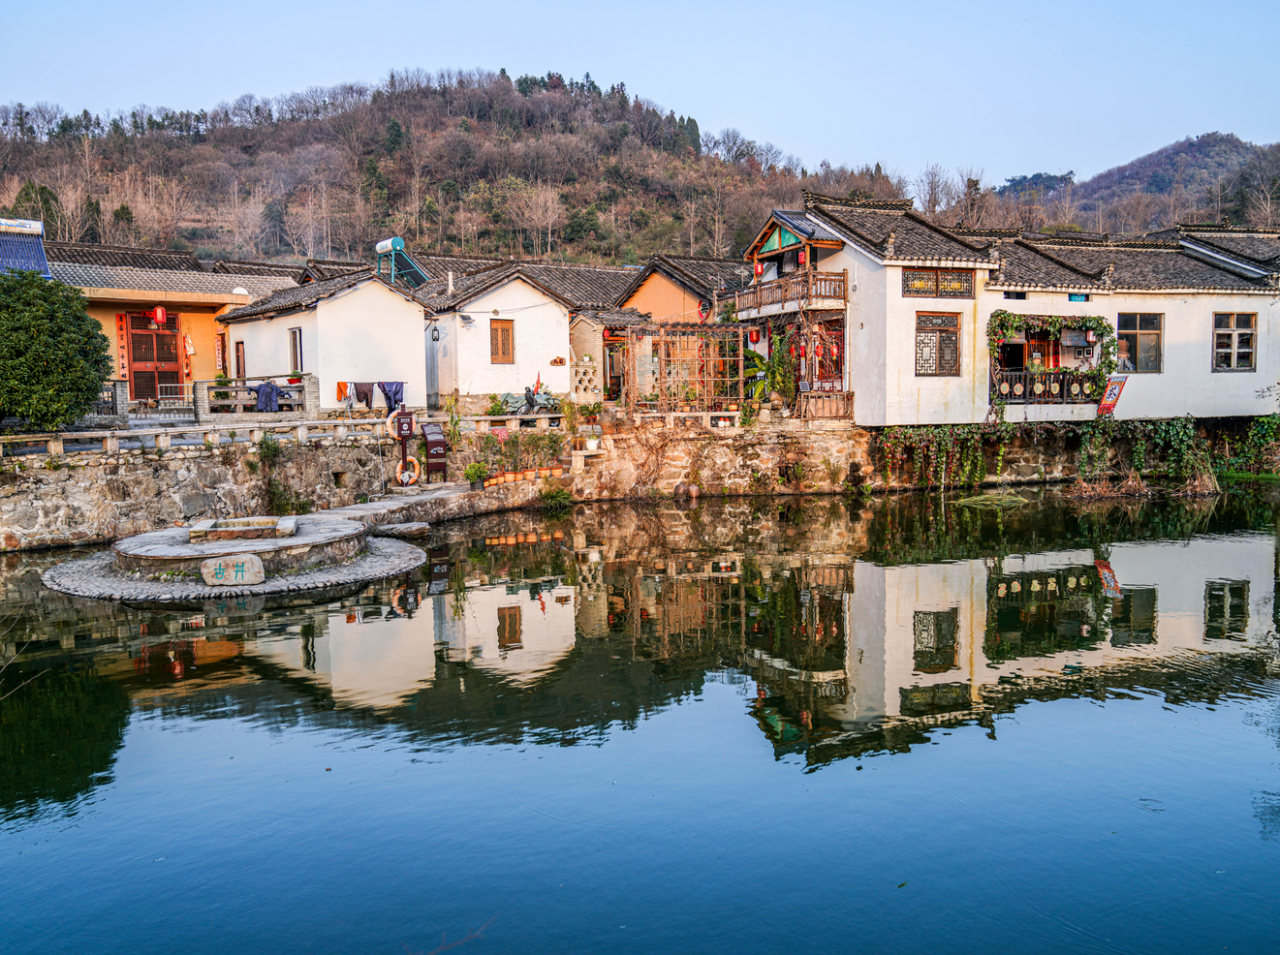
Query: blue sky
(1005, 87)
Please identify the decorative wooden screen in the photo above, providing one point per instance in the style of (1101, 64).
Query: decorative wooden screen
(937, 345)
(502, 349)
(937, 283)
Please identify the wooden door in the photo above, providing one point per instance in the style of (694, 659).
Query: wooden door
(155, 364)
(240, 360)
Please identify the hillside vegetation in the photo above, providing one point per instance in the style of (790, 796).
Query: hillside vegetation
(479, 162)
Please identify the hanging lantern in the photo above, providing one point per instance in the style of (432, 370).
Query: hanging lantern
(817, 350)
(160, 315)
(759, 269)
(801, 351)
(800, 256)
(754, 335)
(793, 351)
(835, 351)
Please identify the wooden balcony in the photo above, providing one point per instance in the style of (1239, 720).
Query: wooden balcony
(1044, 388)
(804, 288)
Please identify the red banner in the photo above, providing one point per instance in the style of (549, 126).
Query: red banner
(1111, 394)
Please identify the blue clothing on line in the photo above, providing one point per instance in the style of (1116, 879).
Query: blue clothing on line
(393, 392)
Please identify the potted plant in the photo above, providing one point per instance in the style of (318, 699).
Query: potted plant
(591, 412)
(593, 443)
(475, 472)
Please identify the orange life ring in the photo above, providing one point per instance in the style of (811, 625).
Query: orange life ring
(401, 474)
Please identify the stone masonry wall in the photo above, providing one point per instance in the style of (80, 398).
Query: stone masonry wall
(96, 497)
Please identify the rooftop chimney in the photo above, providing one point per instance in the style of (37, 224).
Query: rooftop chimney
(450, 289)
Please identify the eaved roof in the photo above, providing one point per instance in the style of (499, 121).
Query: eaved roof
(234, 267)
(438, 266)
(303, 296)
(614, 317)
(574, 286)
(318, 270)
(122, 256)
(164, 280)
(701, 276)
(889, 230)
(1087, 265)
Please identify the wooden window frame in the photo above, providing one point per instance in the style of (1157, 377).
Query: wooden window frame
(936, 290)
(936, 331)
(495, 354)
(1232, 331)
(295, 349)
(1138, 332)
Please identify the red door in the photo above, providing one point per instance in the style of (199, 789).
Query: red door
(155, 368)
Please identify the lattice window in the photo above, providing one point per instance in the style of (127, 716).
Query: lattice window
(937, 283)
(509, 630)
(1226, 609)
(935, 639)
(937, 345)
(1233, 341)
(502, 342)
(920, 282)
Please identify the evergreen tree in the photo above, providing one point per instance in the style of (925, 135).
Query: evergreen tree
(53, 356)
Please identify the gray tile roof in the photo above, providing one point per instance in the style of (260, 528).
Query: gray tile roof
(300, 296)
(165, 280)
(1258, 249)
(579, 286)
(799, 223)
(84, 253)
(890, 230)
(233, 267)
(439, 266)
(701, 276)
(1113, 266)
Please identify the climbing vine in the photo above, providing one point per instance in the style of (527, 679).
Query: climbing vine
(1004, 325)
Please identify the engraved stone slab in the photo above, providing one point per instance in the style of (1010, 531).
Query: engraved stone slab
(234, 570)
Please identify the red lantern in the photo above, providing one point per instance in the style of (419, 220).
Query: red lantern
(793, 351)
(801, 351)
(754, 335)
(160, 314)
(817, 351)
(800, 257)
(759, 269)
(835, 351)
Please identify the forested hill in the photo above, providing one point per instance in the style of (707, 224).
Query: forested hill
(483, 163)
(1197, 164)
(473, 161)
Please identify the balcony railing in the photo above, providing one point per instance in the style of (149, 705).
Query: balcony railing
(1044, 388)
(803, 287)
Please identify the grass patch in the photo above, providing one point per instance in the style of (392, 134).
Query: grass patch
(1248, 477)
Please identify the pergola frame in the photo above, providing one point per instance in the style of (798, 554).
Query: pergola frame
(686, 367)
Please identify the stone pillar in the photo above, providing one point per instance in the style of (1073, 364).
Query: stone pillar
(163, 442)
(200, 400)
(300, 434)
(111, 444)
(311, 396)
(54, 445)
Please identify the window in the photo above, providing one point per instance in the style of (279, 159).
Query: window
(937, 345)
(509, 636)
(1020, 296)
(1078, 297)
(295, 349)
(937, 283)
(1226, 609)
(1140, 347)
(1233, 341)
(502, 350)
(1133, 617)
(240, 359)
(935, 639)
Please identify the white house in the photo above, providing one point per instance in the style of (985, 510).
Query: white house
(354, 328)
(910, 303)
(502, 329)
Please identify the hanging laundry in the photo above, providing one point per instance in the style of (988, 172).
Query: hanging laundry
(364, 393)
(269, 395)
(392, 392)
(342, 391)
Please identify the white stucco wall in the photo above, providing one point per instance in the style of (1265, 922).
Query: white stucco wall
(266, 344)
(1187, 383)
(547, 632)
(371, 333)
(541, 328)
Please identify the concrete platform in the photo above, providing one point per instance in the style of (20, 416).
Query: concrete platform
(316, 540)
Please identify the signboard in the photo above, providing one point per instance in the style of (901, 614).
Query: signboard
(1111, 394)
(1074, 337)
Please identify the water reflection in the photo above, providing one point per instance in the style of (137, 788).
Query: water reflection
(849, 630)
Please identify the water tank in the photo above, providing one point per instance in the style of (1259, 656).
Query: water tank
(389, 245)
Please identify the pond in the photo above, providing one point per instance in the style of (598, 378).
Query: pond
(890, 725)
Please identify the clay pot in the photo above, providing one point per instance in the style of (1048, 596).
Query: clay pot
(511, 477)
(544, 472)
(530, 474)
(558, 535)
(557, 472)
